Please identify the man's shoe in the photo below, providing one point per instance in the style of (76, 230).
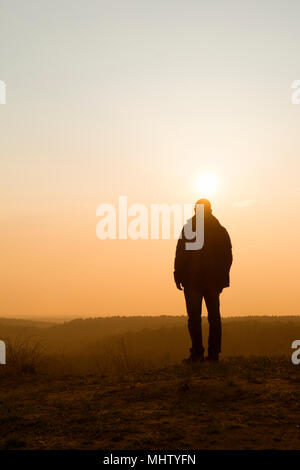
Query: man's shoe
(194, 358)
(212, 358)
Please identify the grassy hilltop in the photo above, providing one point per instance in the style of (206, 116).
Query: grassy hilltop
(238, 404)
(118, 383)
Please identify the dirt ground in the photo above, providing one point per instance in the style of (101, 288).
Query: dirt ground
(237, 404)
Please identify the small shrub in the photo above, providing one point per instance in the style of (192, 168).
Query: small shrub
(23, 355)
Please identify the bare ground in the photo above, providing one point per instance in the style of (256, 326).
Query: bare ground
(239, 403)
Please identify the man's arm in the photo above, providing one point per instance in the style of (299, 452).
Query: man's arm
(179, 261)
(225, 259)
(227, 250)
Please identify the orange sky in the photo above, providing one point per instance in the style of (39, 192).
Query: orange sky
(103, 102)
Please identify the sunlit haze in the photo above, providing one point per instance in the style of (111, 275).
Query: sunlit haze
(163, 104)
(207, 184)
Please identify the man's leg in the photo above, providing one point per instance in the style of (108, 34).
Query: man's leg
(193, 300)
(212, 300)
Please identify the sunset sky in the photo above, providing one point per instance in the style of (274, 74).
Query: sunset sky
(140, 98)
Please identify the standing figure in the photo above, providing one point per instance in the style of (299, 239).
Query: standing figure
(203, 273)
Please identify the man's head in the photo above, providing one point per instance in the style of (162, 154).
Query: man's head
(206, 204)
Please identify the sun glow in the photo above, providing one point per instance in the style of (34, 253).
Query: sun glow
(207, 184)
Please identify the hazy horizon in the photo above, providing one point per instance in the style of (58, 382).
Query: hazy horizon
(62, 319)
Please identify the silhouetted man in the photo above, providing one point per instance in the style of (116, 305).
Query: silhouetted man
(203, 273)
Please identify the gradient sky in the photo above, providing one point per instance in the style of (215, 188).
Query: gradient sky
(139, 98)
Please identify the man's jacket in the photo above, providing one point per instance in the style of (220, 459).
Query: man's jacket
(209, 266)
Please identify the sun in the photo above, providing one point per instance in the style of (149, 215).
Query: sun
(207, 184)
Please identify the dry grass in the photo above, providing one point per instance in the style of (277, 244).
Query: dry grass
(241, 403)
(24, 356)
